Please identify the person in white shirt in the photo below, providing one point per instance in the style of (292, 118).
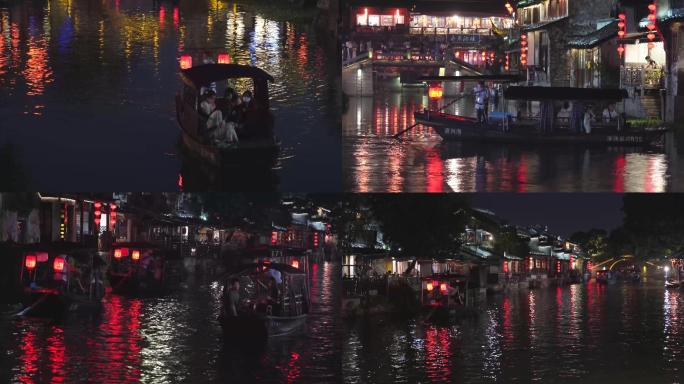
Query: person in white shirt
(610, 114)
(481, 94)
(219, 130)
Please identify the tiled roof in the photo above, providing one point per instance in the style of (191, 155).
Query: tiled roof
(593, 38)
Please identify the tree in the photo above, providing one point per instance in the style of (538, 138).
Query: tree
(594, 242)
(654, 224)
(506, 240)
(427, 226)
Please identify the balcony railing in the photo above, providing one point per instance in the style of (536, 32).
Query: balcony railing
(642, 77)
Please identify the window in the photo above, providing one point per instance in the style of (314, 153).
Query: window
(373, 20)
(361, 19)
(387, 20)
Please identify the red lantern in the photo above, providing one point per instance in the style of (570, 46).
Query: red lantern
(621, 24)
(622, 16)
(185, 61)
(430, 287)
(443, 287)
(435, 91)
(223, 58)
(505, 267)
(295, 264)
(651, 36)
(117, 253)
(30, 262)
(135, 255)
(315, 239)
(652, 7)
(58, 264)
(621, 34)
(558, 266)
(651, 27)
(274, 237)
(651, 45)
(652, 17)
(620, 49)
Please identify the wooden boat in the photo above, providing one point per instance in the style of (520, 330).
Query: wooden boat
(504, 127)
(61, 277)
(141, 268)
(259, 315)
(258, 148)
(602, 276)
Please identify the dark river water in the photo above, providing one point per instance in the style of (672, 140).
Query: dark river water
(171, 339)
(581, 333)
(373, 161)
(87, 91)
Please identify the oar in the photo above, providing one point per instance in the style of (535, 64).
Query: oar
(439, 110)
(29, 308)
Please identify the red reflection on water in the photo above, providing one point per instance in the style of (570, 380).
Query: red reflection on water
(435, 171)
(176, 17)
(56, 355)
(522, 174)
(162, 15)
(294, 368)
(438, 354)
(120, 358)
(29, 357)
(507, 326)
(619, 183)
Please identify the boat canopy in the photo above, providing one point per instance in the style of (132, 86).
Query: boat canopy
(204, 75)
(81, 253)
(564, 93)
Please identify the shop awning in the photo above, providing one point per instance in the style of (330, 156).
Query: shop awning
(593, 38)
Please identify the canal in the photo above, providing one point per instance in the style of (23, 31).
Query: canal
(171, 339)
(88, 92)
(580, 333)
(373, 161)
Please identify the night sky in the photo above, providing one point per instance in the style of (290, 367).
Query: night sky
(563, 213)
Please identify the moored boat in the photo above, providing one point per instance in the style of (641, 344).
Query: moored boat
(142, 268)
(547, 128)
(61, 277)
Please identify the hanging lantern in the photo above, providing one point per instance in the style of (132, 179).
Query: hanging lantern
(30, 262)
(652, 7)
(621, 49)
(651, 36)
(185, 61)
(650, 27)
(621, 34)
(223, 58)
(295, 263)
(651, 45)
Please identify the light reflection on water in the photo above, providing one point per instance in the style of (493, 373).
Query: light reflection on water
(92, 87)
(373, 161)
(170, 339)
(582, 333)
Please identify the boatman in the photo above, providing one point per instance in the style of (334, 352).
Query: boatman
(481, 94)
(232, 298)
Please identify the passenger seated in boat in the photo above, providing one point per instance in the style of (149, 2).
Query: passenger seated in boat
(564, 113)
(218, 130)
(231, 298)
(610, 114)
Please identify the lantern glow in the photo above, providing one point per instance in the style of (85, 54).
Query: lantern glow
(135, 255)
(185, 61)
(117, 253)
(30, 262)
(223, 58)
(58, 264)
(429, 287)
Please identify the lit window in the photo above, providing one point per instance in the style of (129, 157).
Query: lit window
(361, 19)
(373, 20)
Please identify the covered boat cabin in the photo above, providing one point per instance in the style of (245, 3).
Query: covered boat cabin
(256, 122)
(259, 283)
(552, 109)
(136, 266)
